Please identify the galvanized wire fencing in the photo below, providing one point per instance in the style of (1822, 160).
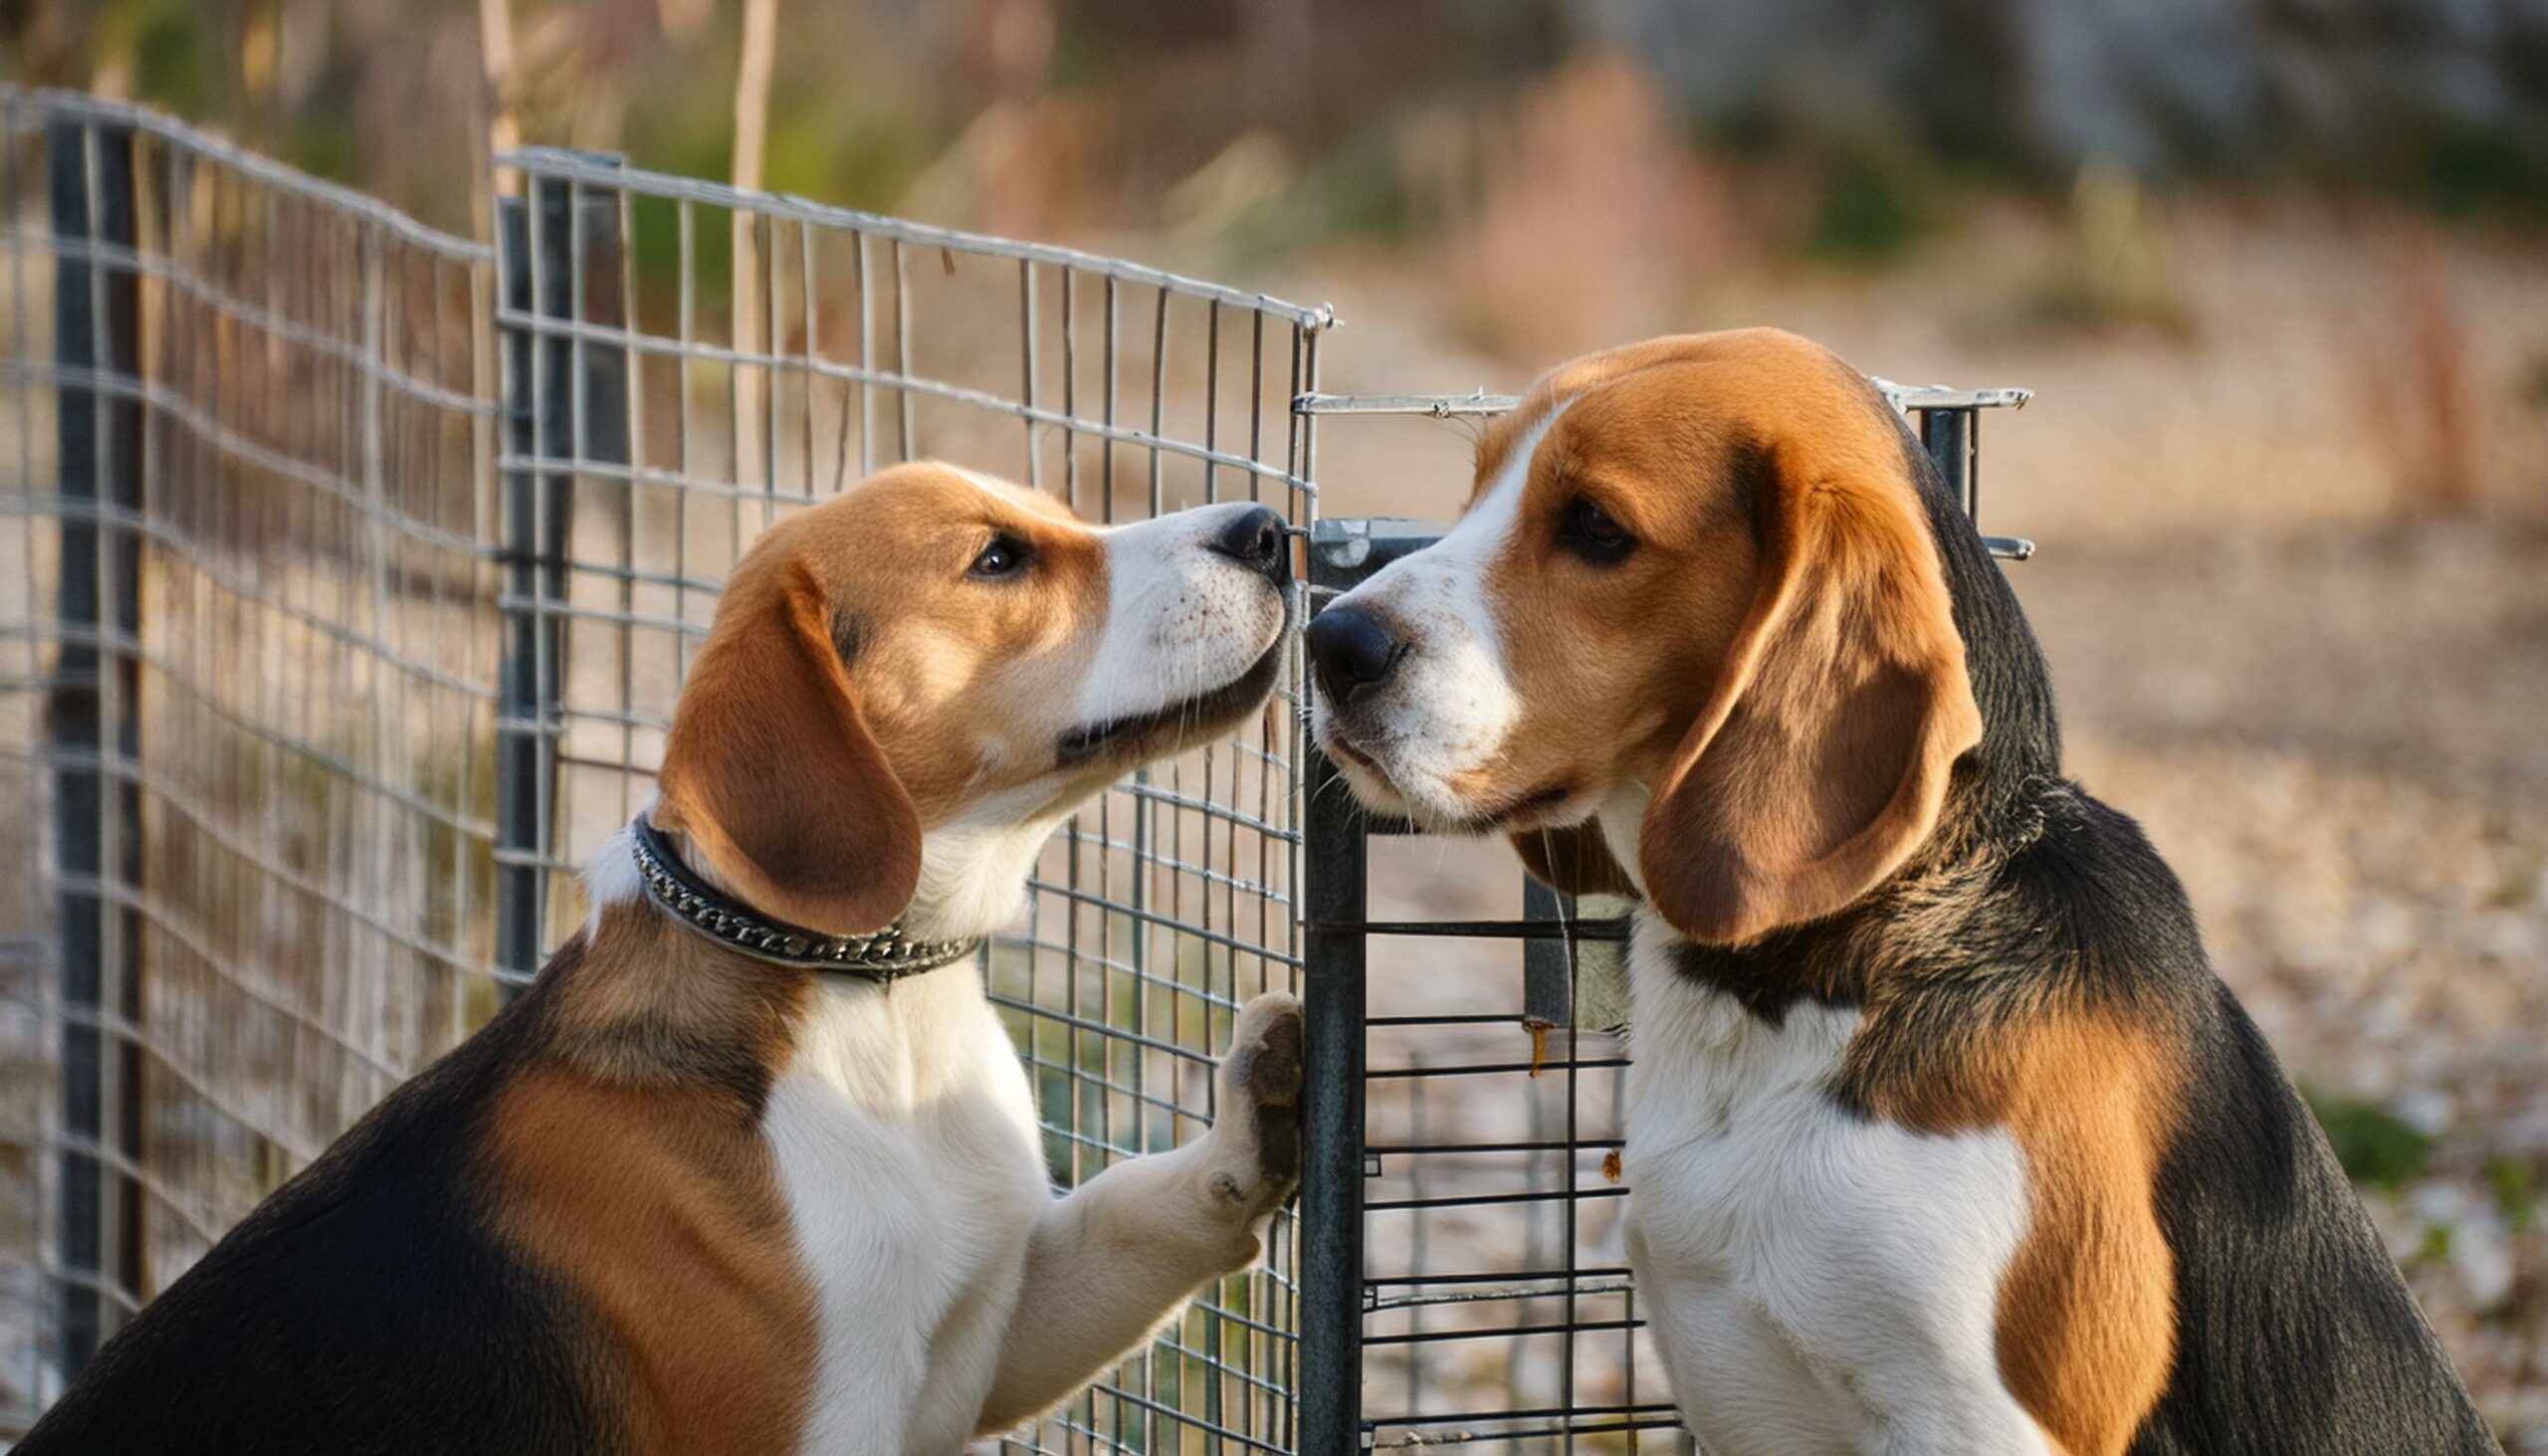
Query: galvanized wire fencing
(247, 685)
(687, 363)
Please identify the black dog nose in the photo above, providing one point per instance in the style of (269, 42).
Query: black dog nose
(1349, 649)
(1254, 539)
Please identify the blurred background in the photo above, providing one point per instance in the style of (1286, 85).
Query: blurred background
(2277, 270)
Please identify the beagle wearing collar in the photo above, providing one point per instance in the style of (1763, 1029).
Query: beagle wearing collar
(1944, 1136)
(753, 1166)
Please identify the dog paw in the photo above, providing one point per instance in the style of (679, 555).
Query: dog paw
(1260, 1104)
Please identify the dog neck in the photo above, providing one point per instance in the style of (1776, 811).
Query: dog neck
(634, 971)
(973, 876)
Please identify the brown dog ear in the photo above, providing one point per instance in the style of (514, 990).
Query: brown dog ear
(772, 773)
(1574, 860)
(1821, 757)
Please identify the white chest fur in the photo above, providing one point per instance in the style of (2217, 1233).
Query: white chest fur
(1814, 1280)
(905, 1134)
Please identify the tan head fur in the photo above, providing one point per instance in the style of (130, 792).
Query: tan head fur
(938, 656)
(1696, 594)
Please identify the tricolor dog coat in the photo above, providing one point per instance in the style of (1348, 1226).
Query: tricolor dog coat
(753, 1166)
(1942, 1136)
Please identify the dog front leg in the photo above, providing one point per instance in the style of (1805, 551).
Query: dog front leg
(1119, 1257)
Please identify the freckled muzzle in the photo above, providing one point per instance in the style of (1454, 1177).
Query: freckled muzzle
(1201, 597)
(1160, 730)
(1411, 700)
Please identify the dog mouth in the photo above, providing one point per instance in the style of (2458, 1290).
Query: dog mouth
(1164, 728)
(1380, 790)
(1338, 748)
(1361, 769)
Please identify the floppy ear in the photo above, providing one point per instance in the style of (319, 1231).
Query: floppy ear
(771, 771)
(1574, 860)
(1821, 757)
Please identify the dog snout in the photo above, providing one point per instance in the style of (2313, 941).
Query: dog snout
(1254, 538)
(1350, 649)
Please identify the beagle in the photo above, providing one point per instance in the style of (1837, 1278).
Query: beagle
(1943, 1135)
(753, 1166)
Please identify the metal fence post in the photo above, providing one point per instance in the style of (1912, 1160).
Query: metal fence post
(565, 402)
(1334, 857)
(1950, 435)
(1548, 962)
(93, 716)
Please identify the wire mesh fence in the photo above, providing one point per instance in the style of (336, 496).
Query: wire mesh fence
(691, 363)
(247, 691)
(354, 568)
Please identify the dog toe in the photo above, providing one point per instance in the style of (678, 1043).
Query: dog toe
(1266, 1050)
(1263, 1072)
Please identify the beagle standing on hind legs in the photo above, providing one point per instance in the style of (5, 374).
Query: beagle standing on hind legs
(754, 1167)
(1942, 1134)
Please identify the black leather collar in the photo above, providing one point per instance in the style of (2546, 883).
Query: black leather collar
(882, 955)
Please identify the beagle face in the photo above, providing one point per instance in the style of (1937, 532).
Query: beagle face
(1544, 649)
(1696, 568)
(933, 648)
(1004, 651)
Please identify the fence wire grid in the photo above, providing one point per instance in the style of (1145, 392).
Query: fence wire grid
(354, 568)
(695, 362)
(247, 693)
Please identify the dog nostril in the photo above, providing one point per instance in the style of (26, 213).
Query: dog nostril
(1350, 650)
(1254, 538)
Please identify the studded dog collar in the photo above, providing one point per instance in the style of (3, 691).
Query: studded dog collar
(882, 955)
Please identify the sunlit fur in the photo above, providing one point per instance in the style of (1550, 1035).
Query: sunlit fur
(952, 1292)
(861, 640)
(1941, 1135)
(675, 1199)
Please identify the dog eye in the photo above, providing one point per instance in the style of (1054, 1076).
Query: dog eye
(1593, 533)
(1003, 558)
